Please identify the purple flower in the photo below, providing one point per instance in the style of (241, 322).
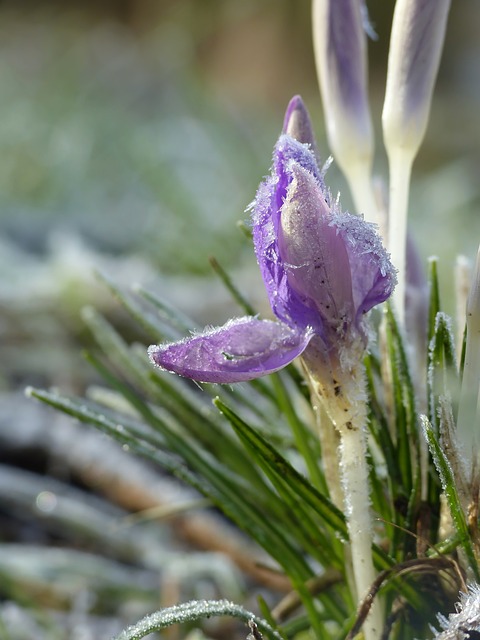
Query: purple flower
(323, 270)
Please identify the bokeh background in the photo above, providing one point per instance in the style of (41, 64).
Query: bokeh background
(137, 131)
(133, 135)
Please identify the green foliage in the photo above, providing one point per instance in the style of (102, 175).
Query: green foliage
(192, 611)
(252, 451)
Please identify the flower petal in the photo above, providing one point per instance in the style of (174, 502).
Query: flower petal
(297, 123)
(267, 211)
(243, 349)
(315, 256)
(373, 275)
(341, 58)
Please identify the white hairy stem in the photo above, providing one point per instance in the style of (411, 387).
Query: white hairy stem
(357, 500)
(329, 442)
(343, 392)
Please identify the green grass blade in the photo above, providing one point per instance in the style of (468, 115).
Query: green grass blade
(191, 612)
(442, 366)
(326, 510)
(179, 321)
(448, 484)
(150, 323)
(434, 306)
(306, 443)
(231, 288)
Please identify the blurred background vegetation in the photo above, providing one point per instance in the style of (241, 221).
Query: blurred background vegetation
(143, 127)
(133, 134)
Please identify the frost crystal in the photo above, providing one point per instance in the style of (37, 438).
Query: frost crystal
(465, 623)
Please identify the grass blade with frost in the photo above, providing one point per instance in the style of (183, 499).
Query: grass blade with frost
(448, 485)
(192, 612)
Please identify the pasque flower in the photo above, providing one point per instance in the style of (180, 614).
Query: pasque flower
(323, 270)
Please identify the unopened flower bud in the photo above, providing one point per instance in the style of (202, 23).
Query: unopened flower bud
(418, 32)
(297, 123)
(341, 58)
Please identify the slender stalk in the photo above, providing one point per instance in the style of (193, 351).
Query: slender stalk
(345, 403)
(468, 412)
(329, 441)
(353, 463)
(400, 162)
(463, 276)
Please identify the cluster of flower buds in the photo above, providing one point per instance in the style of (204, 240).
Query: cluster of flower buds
(339, 35)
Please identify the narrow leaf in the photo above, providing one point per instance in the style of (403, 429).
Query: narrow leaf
(448, 484)
(191, 612)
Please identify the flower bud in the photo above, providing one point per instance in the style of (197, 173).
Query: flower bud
(418, 32)
(297, 123)
(341, 58)
(416, 42)
(340, 47)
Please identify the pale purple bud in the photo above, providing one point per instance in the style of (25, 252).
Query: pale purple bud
(418, 33)
(341, 57)
(297, 123)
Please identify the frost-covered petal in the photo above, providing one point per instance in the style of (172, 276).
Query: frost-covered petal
(266, 214)
(373, 275)
(297, 123)
(243, 349)
(315, 256)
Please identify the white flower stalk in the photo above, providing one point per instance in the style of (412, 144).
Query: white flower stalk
(340, 48)
(346, 405)
(463, 276)
(416, 42)
(468, 423)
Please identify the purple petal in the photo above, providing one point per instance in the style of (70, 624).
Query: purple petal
(373, 275)
(297, 123)
(267, 210)
(243, 349)
(418, 33)
(315, 257)
(341, 57)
